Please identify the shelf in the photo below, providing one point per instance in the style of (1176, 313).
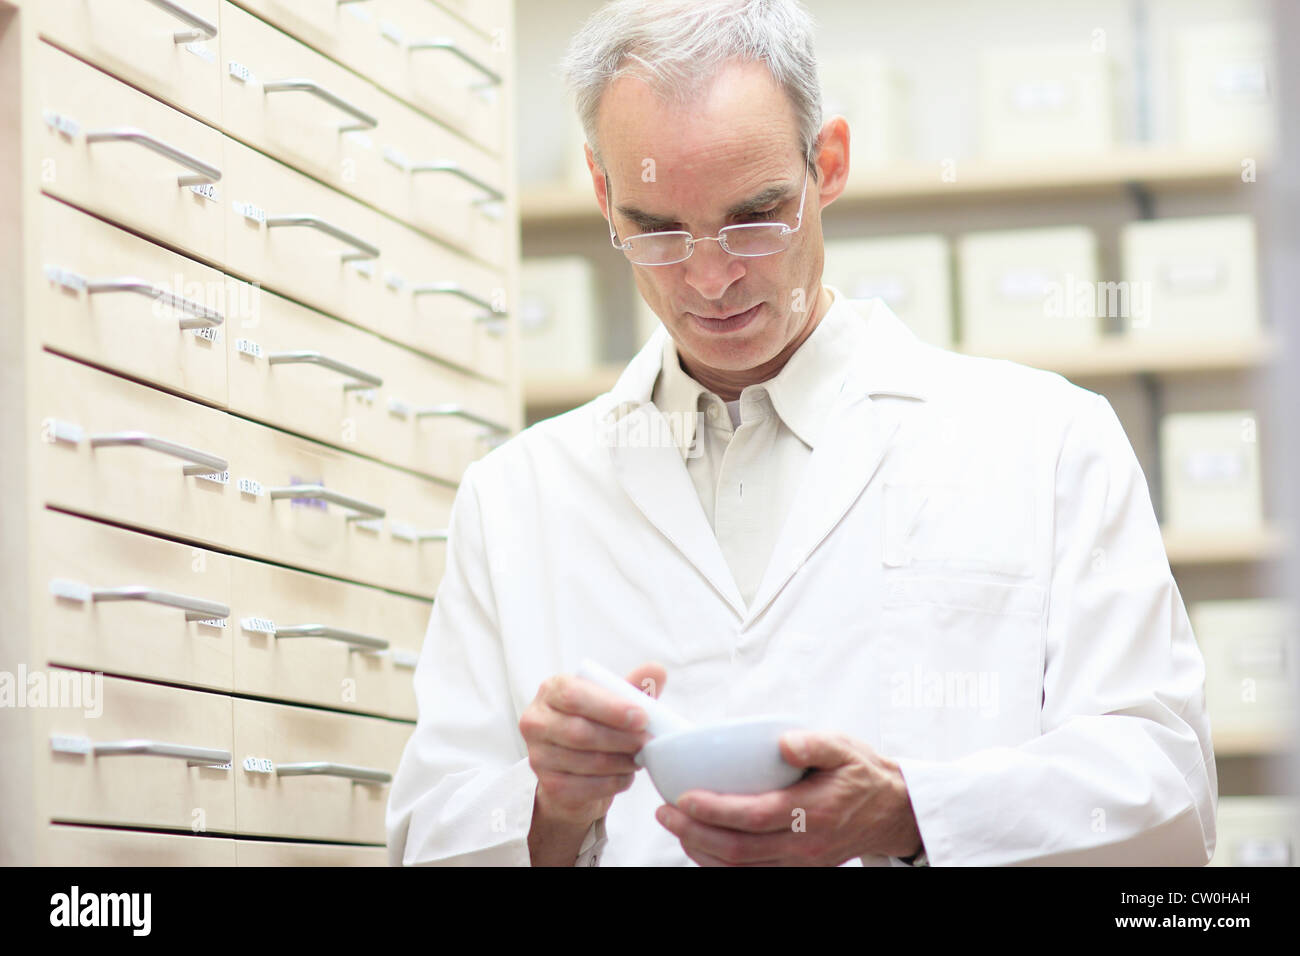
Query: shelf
(1266, 741)
(1224, 547)
(1116, 356)
(1150, 167)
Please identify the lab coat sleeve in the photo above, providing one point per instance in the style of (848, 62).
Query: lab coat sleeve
(1123, 770)
(463, 792)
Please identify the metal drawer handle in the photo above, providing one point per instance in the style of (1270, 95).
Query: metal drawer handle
(325, 768)
(450, 46)
(204, 173)
(203, 30)
(203, 317)
(363, 119)
(447, 166)
(196, 609)
(194, 756)
(364, 249)
(358, 641)
(322, 493)
(453, 288)
(363, 379)
(203, 463)
(458, 411)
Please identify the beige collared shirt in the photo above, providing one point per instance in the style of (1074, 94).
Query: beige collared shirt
(747, 474)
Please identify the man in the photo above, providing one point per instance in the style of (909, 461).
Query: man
(788, 503)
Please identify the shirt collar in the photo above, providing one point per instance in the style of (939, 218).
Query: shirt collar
(859, 346)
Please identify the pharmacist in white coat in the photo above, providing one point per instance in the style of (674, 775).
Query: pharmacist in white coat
(949, 566)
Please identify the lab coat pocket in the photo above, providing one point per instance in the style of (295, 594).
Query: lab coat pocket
(980, 526)
(961, 663)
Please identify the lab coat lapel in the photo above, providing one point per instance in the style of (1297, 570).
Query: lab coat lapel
(889, 360)
(648, 464)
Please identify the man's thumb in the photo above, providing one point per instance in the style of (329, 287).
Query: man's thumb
(649, 679)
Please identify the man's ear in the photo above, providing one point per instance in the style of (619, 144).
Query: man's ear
(597, 179)
(832, 160)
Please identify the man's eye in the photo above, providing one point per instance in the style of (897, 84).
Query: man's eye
(762, 216)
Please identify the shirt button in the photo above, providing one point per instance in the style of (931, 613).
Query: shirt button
(713, 412)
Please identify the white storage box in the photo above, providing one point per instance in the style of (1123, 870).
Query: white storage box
(911, 274)
(1045, 101)
(557, 322)
(1193, 278)
(1257, 831)
(1210, 471)
(873, 96)
(1249, 645)
(1225, 79)
(1028, 289)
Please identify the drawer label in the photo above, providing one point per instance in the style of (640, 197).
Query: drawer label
(394, 281)
(240, 72)
(258, 625)
(209, 332)
(70, 590)
(202, 51)
(61, 124)
(70, 744)
(206, 190)
(391, 31)
(67, 278)
(248, 486)
(259, 765)
(219, 477)
(395, 156)
(52, 430)
(212, 622)
(403, 658)
(248, 347)
(249, 211)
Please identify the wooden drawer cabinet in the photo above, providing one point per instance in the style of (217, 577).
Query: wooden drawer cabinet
(93, 846)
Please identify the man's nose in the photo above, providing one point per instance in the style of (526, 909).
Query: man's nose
(711, 270)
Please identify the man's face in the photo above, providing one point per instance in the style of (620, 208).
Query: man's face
(731, 157)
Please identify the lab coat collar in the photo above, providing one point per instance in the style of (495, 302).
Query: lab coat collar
(647, 461)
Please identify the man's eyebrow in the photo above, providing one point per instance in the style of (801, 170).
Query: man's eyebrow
(754, 203)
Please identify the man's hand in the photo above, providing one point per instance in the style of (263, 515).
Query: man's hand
(581, 739)
(854, 803)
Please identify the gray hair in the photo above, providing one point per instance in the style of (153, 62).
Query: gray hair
(678, 45)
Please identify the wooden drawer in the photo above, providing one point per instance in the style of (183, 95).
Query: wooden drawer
(270, 853)
(298, 237)
(169, 55)
(440, 303)
(113, 299)
(112, 600)
(404, 621)
(313, 774)
(313, 639)
(121, 154)
(132, 788)
(434, 180)
(331, 381)
(91, 846)
(443, 67)
(296, 105)
(92, 459)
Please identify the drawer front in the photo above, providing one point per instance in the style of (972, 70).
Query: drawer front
(298, 237)
(442, 67)
(404, 621)
(307, 373)
(344, 32)
(403, 549)
(113, 600)
(296, 105)
(440, 303)
(95, 458)
(113, 299)
(172, 56)
(139, 789)
(308, 638)
(432, 179)
(89, 846)
(275, 743)
(258, 505)
(270, 853)
(123, 155)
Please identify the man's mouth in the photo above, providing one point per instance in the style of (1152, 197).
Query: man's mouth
(726, 323)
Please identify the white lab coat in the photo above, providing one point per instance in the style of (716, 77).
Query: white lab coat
(972, 581)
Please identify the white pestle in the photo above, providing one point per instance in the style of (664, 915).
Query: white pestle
(659, 719)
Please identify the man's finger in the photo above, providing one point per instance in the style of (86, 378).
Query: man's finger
(823, 751)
